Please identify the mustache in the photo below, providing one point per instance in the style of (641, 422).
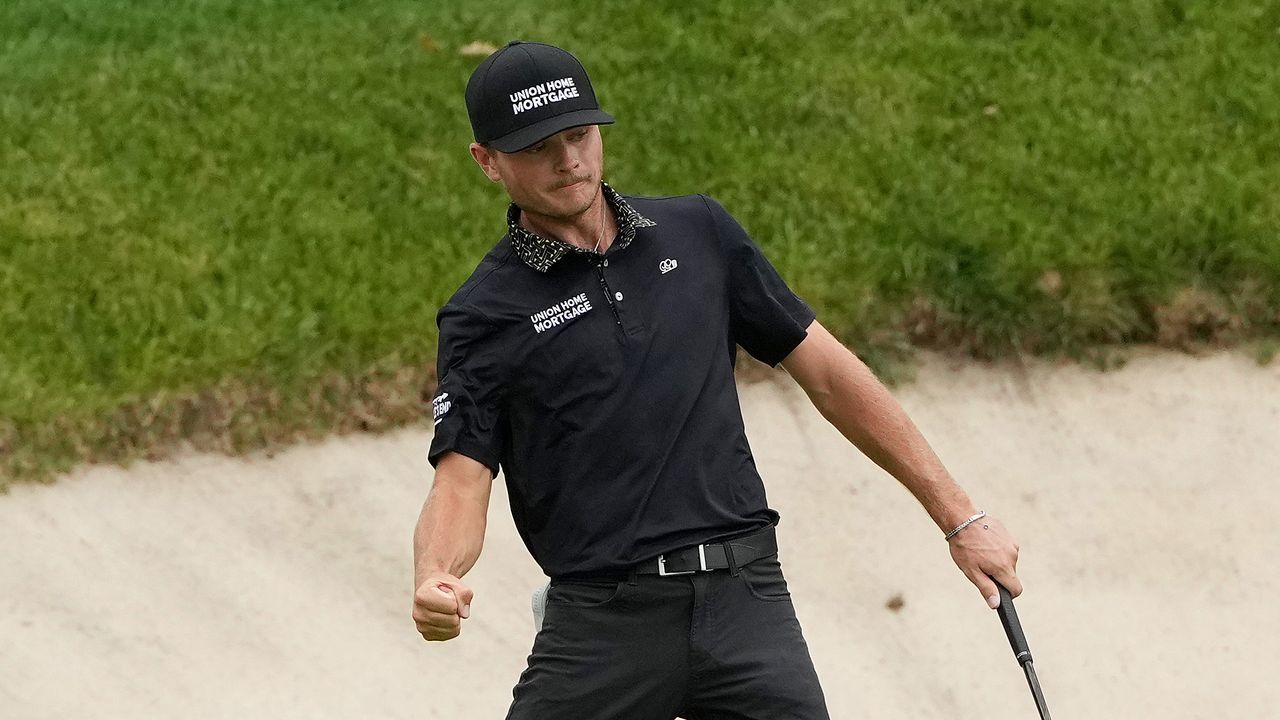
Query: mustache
(571, 181)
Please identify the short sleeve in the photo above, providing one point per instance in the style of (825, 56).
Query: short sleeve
(467, 407)
(767, 319)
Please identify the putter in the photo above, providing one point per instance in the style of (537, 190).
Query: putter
(1021, 651)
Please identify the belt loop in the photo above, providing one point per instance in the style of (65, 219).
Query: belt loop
(728, 555)
(631, 575)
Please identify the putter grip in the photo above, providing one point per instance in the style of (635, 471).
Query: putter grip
(1013, 628)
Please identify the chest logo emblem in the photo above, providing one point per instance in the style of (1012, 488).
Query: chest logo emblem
(560, 313)
(668, 265)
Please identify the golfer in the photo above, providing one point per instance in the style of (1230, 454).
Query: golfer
(590, 357)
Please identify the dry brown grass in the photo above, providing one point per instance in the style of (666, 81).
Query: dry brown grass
(1195, 319)
(232, 417)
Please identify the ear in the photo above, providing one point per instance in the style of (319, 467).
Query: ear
(487, 161)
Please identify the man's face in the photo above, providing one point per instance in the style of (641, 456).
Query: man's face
(558, 177)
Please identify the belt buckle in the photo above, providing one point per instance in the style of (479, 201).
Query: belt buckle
(702, 564)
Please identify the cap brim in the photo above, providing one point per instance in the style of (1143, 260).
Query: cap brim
(539, 131)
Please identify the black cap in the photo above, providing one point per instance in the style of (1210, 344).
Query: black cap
(527, 92)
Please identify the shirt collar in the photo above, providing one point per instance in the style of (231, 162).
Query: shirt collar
(540, 253)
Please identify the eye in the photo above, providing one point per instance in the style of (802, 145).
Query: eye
(535, 148)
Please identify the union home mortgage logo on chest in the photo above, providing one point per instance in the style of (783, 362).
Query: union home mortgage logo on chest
(545, 93)
(561, 313)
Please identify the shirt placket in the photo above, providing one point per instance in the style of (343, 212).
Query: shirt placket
(612, 297)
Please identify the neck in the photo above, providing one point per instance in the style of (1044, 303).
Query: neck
(591, 229)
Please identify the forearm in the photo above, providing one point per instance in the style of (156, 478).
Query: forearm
(850, 397)
(854, 401)
(450, 530)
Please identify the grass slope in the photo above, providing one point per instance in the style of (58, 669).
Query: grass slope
(232, 222)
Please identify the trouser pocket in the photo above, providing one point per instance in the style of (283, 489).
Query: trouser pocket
(764, 580)
(584, 593)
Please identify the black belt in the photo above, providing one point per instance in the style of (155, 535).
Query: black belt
(728, 555)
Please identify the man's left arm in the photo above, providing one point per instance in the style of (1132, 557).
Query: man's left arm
(853, 400)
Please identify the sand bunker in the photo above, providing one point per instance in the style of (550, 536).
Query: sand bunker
(1146, 500)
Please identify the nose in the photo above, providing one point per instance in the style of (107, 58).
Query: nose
(567, 158)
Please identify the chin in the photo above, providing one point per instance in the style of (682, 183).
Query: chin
(580, 202)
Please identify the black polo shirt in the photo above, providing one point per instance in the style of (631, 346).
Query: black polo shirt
(603, 386)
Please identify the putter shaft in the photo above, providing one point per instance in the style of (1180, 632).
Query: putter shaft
(1034, 682)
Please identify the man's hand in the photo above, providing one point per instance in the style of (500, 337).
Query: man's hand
(986, 550)
(446, 543)
(440, 605)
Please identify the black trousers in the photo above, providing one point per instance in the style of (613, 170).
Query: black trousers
(707, 646)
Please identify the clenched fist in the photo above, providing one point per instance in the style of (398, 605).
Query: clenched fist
(440, 605)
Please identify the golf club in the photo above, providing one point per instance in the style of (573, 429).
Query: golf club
(1021, 651)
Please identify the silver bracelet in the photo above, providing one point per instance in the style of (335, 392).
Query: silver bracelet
(981, 514)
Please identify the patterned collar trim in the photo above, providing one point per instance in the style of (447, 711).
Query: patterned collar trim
(540, 253)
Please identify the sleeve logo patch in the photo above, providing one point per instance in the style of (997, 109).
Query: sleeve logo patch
(668, 265)
(439, 406)
(560, 313)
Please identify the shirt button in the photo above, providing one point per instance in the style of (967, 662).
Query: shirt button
(617, 296)
(606, 262)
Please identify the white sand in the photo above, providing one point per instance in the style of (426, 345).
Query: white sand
(1146, 501)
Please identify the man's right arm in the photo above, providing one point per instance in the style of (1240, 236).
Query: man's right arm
(447, 543)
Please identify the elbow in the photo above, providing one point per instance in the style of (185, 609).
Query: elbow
(821, 390)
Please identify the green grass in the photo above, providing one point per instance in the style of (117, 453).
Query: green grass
(235, 220)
